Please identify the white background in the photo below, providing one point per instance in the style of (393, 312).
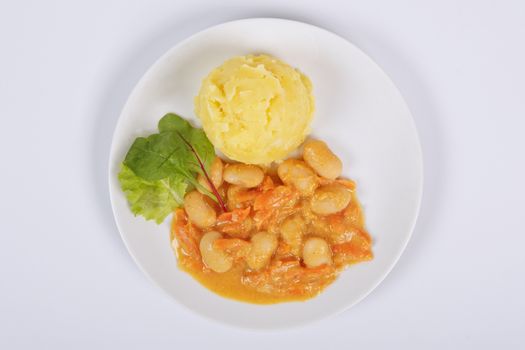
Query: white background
(66, 280)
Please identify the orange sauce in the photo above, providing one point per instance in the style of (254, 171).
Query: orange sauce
(229, 285)
(264, 208)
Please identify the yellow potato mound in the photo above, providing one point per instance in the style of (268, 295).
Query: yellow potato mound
(255, 108)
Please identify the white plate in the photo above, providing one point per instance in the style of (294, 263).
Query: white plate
(361, 115)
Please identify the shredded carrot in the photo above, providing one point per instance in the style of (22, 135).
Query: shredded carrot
(337, 222)
(273, 198)
(187, 235)
(357, 249)
(230, 243)
(236, 215)
(347, 183)
(266, 185)
(246, 196)
(283, 249)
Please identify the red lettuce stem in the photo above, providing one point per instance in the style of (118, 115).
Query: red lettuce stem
(212, 186)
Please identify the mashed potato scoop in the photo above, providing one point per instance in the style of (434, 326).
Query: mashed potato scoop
(255, 109)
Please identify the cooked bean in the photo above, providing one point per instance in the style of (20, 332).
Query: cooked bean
(317, 154)
(215, 173)
(330, 199)
(297, 173)
(245, 175)
(316, 252)
(263, 245)
(217, 260)
(199, 211)
(292, 231)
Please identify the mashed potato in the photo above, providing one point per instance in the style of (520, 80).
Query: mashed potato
(255, 108)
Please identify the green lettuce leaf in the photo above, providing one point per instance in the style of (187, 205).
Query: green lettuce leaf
(196, 137)
(154, 200)
(159, 169)
(158, 156)
(161, 155)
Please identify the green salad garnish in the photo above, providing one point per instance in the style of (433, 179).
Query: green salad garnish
(159, 169)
